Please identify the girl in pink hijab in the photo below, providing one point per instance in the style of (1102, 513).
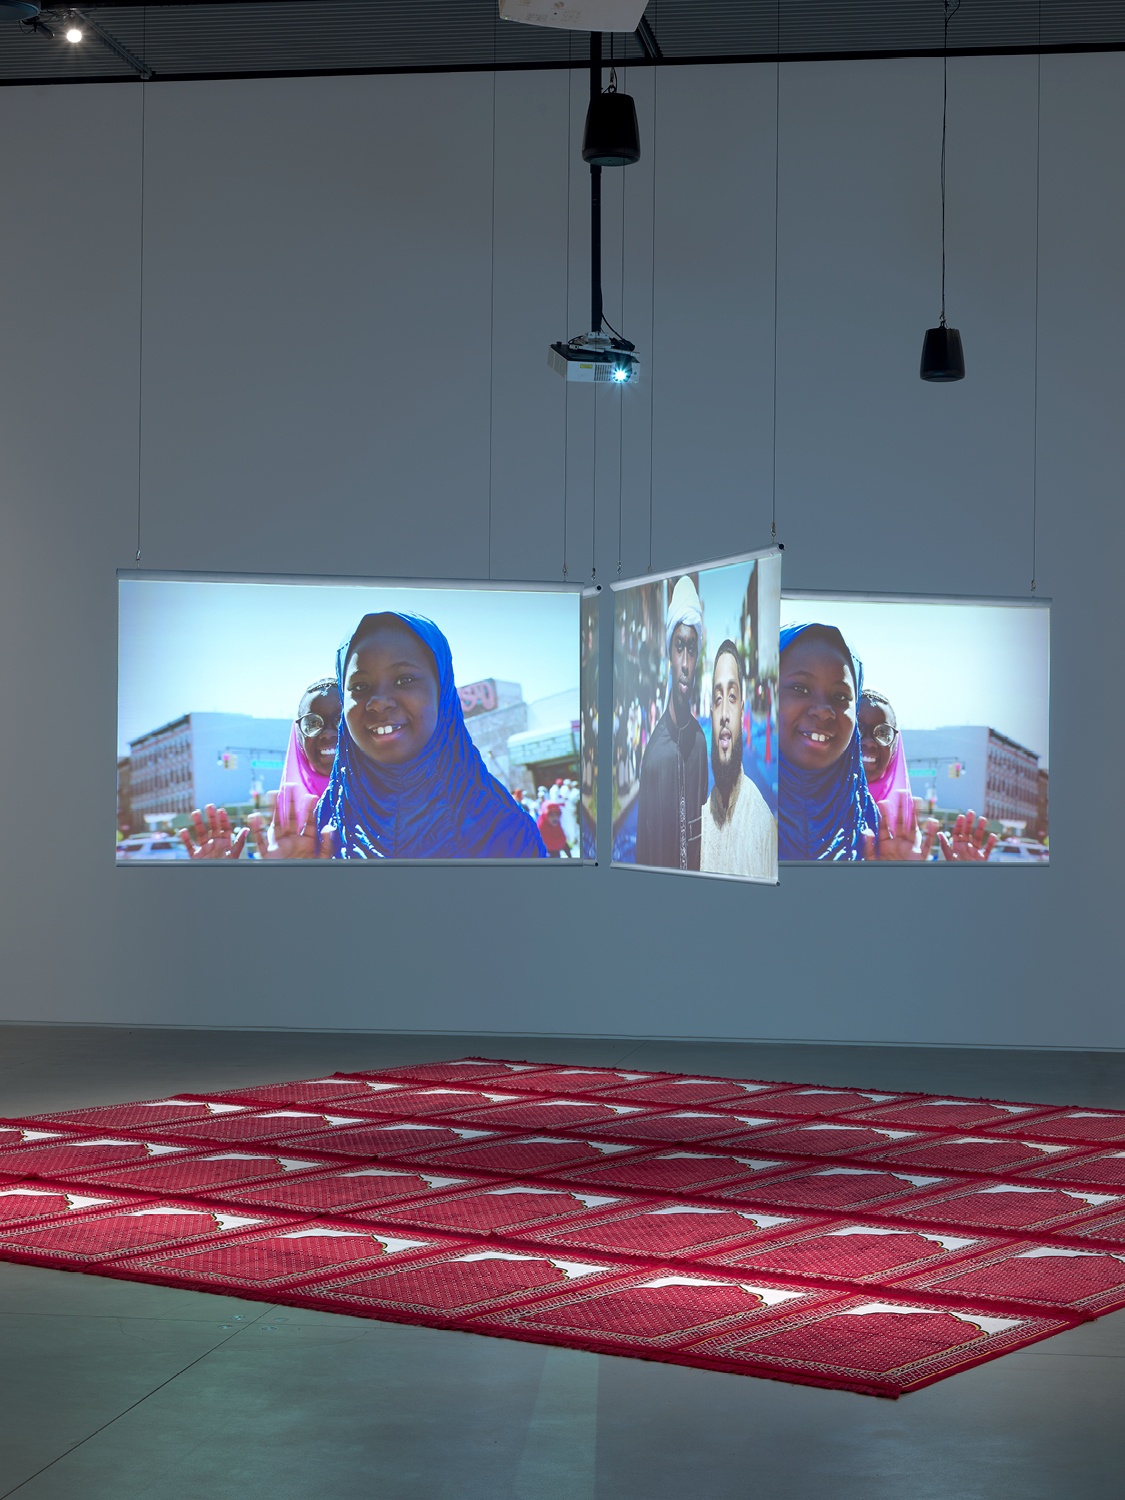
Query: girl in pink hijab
(884, 759)
(312, 749)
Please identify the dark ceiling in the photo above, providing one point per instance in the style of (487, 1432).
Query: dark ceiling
(270, 38)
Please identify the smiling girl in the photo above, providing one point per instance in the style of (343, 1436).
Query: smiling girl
(827, 729)
(312, 749)
(407, 781)
(825, 810)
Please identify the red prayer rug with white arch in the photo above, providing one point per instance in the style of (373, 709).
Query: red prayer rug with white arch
(834, 1236)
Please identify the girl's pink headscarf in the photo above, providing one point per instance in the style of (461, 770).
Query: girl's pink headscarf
(895, 778)
(301, 786)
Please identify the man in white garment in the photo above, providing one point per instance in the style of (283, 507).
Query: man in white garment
(739, 832)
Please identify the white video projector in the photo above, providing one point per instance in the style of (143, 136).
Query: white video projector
(576, 15)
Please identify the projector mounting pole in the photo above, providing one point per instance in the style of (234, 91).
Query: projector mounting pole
(595, 196)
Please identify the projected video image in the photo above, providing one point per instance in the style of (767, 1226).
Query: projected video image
(588, 803)
(262, 721)
(913, 731)
(694, 720)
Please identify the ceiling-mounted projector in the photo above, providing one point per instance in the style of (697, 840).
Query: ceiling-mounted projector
(576, 15)
(595, 357)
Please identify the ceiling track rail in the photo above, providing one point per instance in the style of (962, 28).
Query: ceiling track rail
(38, 80)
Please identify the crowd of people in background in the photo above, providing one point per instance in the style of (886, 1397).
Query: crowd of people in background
(555, 811)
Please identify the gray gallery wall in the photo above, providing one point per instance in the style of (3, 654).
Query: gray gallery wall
(349, 287)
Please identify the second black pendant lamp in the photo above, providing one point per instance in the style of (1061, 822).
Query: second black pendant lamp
(943, 358)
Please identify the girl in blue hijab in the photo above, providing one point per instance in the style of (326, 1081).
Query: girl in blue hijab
(408, 782)
(825, 810)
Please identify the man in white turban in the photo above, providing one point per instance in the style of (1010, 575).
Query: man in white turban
(674, 767)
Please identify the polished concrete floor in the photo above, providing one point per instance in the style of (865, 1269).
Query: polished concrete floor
(112, 1391)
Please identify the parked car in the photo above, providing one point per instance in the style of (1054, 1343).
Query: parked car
(151, 846)
(1020, 851)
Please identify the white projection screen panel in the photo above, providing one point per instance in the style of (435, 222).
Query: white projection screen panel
(913, 730)
(694, 760)
(323, 719)
(588, 805)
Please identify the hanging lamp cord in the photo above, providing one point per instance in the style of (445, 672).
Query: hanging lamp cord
(950, 8)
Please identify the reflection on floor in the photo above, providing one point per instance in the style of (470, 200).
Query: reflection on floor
(119, 1391)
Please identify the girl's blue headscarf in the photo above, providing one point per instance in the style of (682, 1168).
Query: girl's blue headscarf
(443, 804)
(825, 814)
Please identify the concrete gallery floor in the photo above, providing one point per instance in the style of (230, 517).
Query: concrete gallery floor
(112, 1391)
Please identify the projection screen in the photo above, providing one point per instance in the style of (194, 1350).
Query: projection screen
(694, 759)
(270, 719)
(913, 730)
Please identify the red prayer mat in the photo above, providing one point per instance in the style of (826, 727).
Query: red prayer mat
(106, 1234)
(686, 1093)
(206, 1172)
(146, 1114)
(1082, 1126)
(861, 1240)
(347, 1190)
(339, 1092)
(34, 1202)
(1106, 1170)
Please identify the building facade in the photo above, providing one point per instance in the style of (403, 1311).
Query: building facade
(965, 766)
(227, 759)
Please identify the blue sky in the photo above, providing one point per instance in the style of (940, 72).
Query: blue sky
(252, 648)
(948, 663)
(722, 592)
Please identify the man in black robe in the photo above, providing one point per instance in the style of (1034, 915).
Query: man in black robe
(674, 768)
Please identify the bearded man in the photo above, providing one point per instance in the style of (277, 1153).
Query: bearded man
(739, 834)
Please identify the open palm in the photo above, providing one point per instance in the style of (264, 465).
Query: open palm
(209, 835)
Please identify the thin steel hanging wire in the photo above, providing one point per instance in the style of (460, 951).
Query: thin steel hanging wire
(492, 324)
(1035, 351)
(652, 306)
(776, 217)
(594, 492)
(566, 319)
(141, 299)
(949, 10)
(621, 393)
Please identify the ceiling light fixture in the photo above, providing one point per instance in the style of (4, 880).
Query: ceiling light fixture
(576, 15)
(943, 358)
(612, 137)
(74, 34)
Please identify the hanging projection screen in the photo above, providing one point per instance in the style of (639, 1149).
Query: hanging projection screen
(588, 804)
(269, 719)
(913, 730)
(694, 760)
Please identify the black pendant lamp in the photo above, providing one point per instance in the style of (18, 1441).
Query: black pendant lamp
(942, 355)
(612, 137)
(943, 358)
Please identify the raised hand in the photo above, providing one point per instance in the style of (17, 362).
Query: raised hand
(971, 842)
(898, 833)
(210, 836)
(290, 841)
